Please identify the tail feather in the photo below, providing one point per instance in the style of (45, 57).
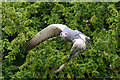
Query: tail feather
(87, 40)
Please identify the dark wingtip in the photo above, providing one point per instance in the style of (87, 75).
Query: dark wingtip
(29, 46)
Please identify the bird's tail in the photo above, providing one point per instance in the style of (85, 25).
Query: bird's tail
(87, 40)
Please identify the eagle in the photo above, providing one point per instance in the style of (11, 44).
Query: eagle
(78, 39)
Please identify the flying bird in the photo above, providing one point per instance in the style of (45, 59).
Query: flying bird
(78, 39)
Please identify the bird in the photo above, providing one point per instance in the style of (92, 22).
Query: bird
(76, 37)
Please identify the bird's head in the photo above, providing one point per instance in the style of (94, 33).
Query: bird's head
(63, 35)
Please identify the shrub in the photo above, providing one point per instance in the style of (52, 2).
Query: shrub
(98, 20)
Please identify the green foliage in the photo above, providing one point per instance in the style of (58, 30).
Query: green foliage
(21, 21)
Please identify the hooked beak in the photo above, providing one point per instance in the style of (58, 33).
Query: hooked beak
(73, 40)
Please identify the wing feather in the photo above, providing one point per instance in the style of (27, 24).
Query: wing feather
(78, 47)
(48, 32)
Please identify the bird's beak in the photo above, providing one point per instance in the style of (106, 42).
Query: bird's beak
(73, 40)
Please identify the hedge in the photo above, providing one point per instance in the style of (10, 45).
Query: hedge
(98, 20)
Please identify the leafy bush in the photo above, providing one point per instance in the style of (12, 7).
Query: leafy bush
(98, 20)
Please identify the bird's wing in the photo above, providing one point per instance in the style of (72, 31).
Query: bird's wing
(48, 32)
(84, 37)
(78, 47)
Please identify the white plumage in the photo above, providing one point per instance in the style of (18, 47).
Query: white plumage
(78, 38)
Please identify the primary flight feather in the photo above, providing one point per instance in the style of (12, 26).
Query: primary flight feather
(79, 40)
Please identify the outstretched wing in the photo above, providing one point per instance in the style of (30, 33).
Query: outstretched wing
(48, 32)
(78, 47)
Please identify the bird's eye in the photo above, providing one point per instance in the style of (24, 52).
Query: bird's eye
(65, 33)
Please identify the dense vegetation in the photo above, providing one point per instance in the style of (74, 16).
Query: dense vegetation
(98, 20)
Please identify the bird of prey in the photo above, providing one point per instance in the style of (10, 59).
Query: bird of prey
(79, 40)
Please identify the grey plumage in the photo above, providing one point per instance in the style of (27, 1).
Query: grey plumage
(78, 38)
(48, 32)
(78, 47)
